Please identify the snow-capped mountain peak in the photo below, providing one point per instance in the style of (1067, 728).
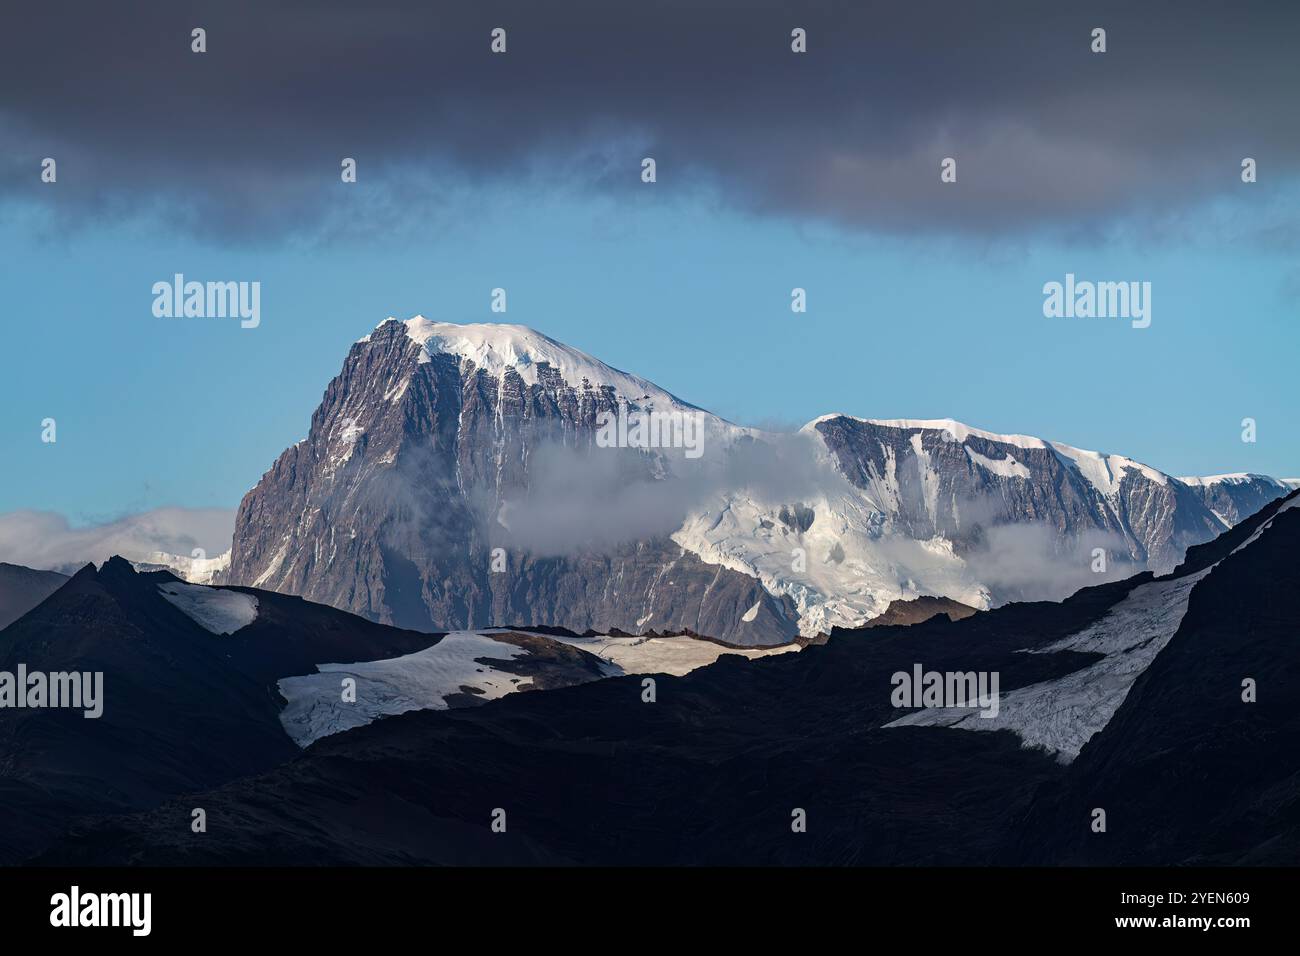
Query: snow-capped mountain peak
(494, 347)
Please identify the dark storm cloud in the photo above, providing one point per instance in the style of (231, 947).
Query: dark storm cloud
(247, 138)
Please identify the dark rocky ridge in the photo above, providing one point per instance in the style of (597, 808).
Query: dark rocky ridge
(1187, 771)
(183, 709)
(921, 609)
(710, 773)
(21, 589)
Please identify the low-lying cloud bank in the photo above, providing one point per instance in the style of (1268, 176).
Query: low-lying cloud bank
(600, 502)
(46, 540)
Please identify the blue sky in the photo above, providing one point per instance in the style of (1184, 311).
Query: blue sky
(670, 283)
(776, 169)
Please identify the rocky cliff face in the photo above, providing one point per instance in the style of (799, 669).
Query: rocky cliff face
(943, 479)
(457, 477)
(413, 474)
(1233, 498)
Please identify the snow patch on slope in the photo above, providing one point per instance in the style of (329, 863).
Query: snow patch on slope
(273, 567)
(419, 681)
(929, 476)
(663, 655)
(1106, 472)
(1006, 467)
(423, 680)
(1060, 716)
(216, 609)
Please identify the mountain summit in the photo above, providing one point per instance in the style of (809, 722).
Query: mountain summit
(449, 480)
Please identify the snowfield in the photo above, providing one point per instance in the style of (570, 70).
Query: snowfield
(849, 572)
(217, 609)
(1059, 716)
(857, 557)
(419, 681)
(663, 655)
(424, 680)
